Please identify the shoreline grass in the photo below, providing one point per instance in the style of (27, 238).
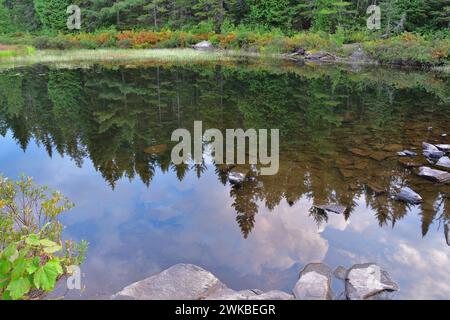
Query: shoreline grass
(49, 56)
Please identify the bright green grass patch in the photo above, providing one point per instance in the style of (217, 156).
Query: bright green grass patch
(160, 55)
(17, 52)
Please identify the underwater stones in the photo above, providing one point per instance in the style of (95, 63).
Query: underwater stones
(346, 173)
(375, 187)
(406, 153)
(367, 281)
(238, 175)
(236, 178)
(434, 175)
(344, 162)
(408, 163)
(203, 46)
(180, 282)
(379, 155)
(359, 152)
(334, 208)
(444, 162)
(159, 149)
(314, 283)
(408, 195)
(443, 147)
(392, 147)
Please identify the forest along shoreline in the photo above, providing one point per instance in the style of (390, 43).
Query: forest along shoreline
(18, 55)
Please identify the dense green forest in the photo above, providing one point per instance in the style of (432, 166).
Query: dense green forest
(220, 15)
(410, 32)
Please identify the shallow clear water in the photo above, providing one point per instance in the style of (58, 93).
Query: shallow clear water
(101, 135)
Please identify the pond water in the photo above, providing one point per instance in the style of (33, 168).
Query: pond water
(101, 135)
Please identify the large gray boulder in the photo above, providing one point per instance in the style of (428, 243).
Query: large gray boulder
(368, 281)
(180, 282)
(409, 196)
(314, 283)
(434, 175)
(203, 46)
(190, 282)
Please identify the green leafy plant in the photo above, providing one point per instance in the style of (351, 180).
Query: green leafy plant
(32, 255)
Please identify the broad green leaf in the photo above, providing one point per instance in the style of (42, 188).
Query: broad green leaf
(33, 266)
(18, 288)
(19, 267)
(48, 243)
(6, 296)
(5, 266)
(45, 277)
(52, 249)
(4, 280)
(32, 240)
(55, 265)
(10, 250)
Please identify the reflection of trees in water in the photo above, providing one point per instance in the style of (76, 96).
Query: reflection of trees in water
(112, 115)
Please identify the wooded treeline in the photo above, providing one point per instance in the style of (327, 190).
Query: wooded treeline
(289, 16)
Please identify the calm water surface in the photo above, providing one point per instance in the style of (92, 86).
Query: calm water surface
(101, 135)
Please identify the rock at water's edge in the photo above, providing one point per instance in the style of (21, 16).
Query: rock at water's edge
(443, 147)
(203, 46)
(429, 146)
(340, 273)
(444, 162)
(180, 282)
(314, 283)
(367, 281)
(409, 196)
(434, 175)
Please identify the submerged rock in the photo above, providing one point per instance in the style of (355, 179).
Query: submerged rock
(444, 162)
(238, 175)
(180, 282)
(334, 208)
(409, 196)
(159, 149)
(368, 281)
(406, 153)
(434, 175)
(409, 163)
(359, 152)
(340, 273)
(203, 46)
(314, 283)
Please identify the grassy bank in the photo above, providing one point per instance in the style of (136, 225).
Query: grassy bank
(404, 49)
(8, 51)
